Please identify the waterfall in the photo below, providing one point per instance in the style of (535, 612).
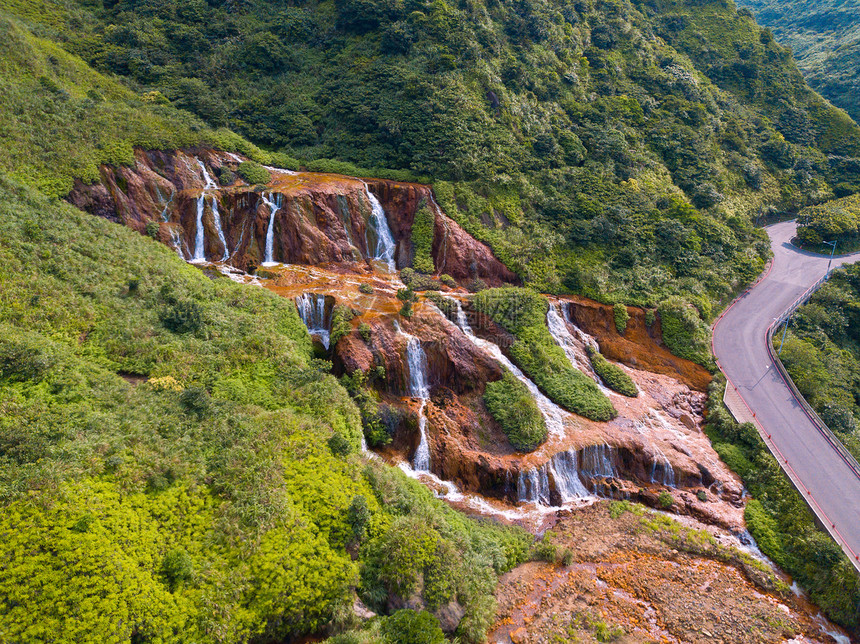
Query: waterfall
(462, 321)
(597, 462)
(416, 363)
(207, 178)
(274, 206)
(552, 413)
(563, 337)
(311, 307)
(533, 486)
(662, 472)
(565, 470)
(176, 242)
(216, 216)
(199, 237)
(385, 245)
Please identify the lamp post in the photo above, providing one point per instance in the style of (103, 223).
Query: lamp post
(832, 251)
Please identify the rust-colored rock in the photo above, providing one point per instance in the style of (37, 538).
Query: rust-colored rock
(321, 219)
(640, 347)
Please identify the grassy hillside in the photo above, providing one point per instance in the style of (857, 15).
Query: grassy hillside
(825, 38)
(174, 466)
(613, 148)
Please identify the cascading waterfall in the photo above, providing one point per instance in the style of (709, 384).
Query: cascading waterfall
(565, 470)
(311, 307)
(216, 217)
(274, 205)
(662, 472)
(533, 486)
(385, 245)
(176, 242)
(462, 321)
(199, 237)
(553, 414)
(597, 462)
(416, 362)
(563, 337)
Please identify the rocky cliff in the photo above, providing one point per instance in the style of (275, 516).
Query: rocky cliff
(299, 217)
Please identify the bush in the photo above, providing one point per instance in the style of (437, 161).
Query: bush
(614, 376)
(422, 239)
(764, 530)
(365, 288)
(545, 550)
(684, 332)
(339, 445)
(341, 317)
(253, 173)
(152, 228)
(177, 567)
(620, 314)
(665, 500)
(511, 404)
(364, 331)
(650, 317)
(702, 496)
(448, 281)
(196, 400)
(182, 316)
(226, 177)
(409, 627)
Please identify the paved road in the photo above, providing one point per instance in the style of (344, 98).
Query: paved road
(741, 349)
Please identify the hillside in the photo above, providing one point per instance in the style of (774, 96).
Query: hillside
(824, 36)
(314, 318)
(573, 138)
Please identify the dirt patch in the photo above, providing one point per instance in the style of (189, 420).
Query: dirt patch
(641, 577)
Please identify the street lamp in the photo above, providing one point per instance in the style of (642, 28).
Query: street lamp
(832, 250)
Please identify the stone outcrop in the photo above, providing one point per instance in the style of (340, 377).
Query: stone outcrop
(320, 219)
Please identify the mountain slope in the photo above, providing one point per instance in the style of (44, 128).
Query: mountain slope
(825, 38)
(593, 156)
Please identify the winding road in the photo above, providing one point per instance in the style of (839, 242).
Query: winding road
(818, 470)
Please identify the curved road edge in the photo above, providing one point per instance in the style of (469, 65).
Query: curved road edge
(747, 414)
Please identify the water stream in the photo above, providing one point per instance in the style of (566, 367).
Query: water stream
(416, 362)
(274, 205)
(311, 307)
(385, 245)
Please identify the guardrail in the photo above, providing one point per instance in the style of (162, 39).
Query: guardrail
(820, 425)
(804, 492)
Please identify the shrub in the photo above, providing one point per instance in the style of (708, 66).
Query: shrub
(477, 285)
(365, 288)
(339, 445)
(650, 317)
(614, 376)
(511, 404)
(152, 228)
(253, 173)
(545, 550)
(702, 496)
(340, 323)
(177, 567)
(409, 627)
(422, 239)
(182, 316)
(448, 281)
(684, 332)
(364, 331)
(226, 177)
(23, 357)
(196, 400)
(567, 557)
(620, 314)
(665, 500)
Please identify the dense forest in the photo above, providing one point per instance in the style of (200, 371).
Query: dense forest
(178, 431)
(824, 36)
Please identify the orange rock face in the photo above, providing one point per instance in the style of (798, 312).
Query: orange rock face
(320, 219)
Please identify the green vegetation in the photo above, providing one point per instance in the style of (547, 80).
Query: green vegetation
(779, 519)
(522, 312)
(193, 469)
(822, 354)
(365, 288)
(837, 220)
(822, 35)
(684, 331)
(614, 376)
(614, 149)
(254, 173)
(422, 239)
(512, 405)
(620, 314)
(665, 500)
